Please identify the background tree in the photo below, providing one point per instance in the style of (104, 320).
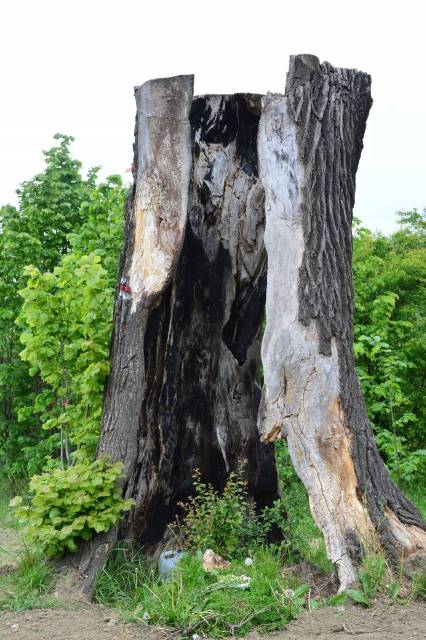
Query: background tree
(53, 208)
(390, 346)
(66, 317)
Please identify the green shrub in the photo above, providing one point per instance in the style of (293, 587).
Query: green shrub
(228, 523)
(61, 220)
(70, 505)
(389, 345)
(225, 522)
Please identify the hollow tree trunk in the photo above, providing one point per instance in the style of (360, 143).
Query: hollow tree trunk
(310, 141)
(183, 390)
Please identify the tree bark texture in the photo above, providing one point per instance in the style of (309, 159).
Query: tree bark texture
(184, 390)
(310, 141)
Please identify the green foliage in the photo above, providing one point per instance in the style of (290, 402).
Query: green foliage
(70, 505)
(210, 602)
(49, 206)
(390, 345)
(61, 216)
(35, 233)
(417, 495)
(372, 576)
(419, 585)
(376, 582)
(102, 230)
(66, 319)
(225, 522)
(5, 495)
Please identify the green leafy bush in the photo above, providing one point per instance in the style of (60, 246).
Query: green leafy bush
(34, 233)
(62, 220)
(225, 522)
(70, 505)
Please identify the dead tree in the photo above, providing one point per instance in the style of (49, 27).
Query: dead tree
(310, 141)
(183, 390)
(184, 387)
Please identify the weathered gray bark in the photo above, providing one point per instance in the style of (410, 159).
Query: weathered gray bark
(183, 391)
(310, 141)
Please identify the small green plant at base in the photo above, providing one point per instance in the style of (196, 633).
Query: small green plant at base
(372, 574)
(225, 522)
(392, 590)
(70, 505)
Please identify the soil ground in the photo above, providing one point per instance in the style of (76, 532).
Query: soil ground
(92, 622)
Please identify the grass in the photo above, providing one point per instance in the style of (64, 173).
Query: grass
(29, 586)
(209, 602)
(419, 585)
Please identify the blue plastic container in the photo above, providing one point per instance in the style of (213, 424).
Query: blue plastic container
(168, 561)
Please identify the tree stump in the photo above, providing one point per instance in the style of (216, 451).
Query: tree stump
(184, 389)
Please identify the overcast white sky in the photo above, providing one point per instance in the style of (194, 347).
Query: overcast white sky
(70, 67)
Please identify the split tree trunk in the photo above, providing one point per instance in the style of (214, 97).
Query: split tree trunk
(183, 390)
(310, 141)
